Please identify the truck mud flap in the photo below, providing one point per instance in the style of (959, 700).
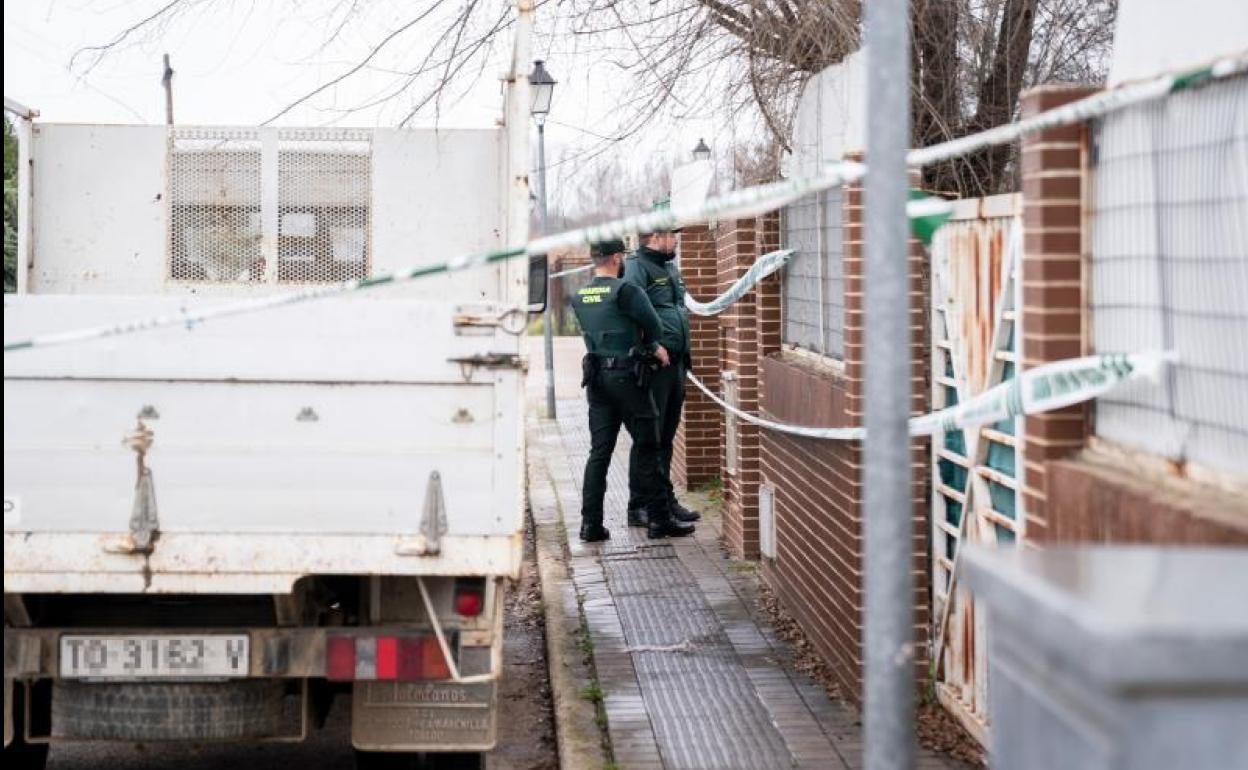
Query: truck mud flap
(423, 716)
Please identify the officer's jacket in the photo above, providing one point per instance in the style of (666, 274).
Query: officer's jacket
(656, 272)
(615, 316)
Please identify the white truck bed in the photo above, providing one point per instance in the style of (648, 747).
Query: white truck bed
(299, 441)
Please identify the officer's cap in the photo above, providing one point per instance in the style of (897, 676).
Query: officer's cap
(603, 249)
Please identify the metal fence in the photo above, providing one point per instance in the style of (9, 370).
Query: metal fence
(975, 479)
(814, 286)
(306, 191)
(1169, 270)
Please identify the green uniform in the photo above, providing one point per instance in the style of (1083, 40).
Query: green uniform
(615, 317)
(657, 273)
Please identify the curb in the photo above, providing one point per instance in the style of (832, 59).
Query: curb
(580, 741)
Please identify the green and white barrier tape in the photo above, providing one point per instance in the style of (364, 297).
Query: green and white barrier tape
(1043, 389)
(762, 267)
(191, 319)
(573, 271)
(748, 202)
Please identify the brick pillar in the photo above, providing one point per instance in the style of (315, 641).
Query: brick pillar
(736, 249)
(1053, 281)
(767, 236)
(698, 442)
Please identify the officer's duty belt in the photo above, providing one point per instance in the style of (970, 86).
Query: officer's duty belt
(610, 362)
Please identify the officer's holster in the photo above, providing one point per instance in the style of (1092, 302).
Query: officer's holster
(644, 366)
(589, 369)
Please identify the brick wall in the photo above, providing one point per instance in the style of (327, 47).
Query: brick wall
(1053, 280)
(818, 492)
(750, 327)
(698, 447)
(1094, 495)
(1102, 499)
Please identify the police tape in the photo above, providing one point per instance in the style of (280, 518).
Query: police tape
(189, 319)
(762, 267)
(737, 204)
(573, 271)
(1042, 389)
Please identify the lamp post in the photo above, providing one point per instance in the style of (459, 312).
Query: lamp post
(701, 152)
(542, 87)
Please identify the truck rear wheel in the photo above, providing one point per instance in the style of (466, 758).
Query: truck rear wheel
(411, 760)
(19, 754)
(158, 711)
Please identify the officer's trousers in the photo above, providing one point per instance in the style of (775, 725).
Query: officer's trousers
(667, 387)
(614, 400)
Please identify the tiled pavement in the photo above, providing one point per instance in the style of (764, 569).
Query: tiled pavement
(689, 679)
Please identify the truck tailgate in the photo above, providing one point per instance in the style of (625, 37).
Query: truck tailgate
(298, 441)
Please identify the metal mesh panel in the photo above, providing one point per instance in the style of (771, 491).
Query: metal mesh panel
(814, 289)
(215, 198)
(309, 190)
(1169, 270)
(323, 194)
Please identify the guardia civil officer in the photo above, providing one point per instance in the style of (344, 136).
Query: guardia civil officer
(653, 269)
(622, 334)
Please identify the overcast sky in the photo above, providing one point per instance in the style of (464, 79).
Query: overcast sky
(244, 60)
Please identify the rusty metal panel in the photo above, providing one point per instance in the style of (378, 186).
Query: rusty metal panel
(967, 254)
(974, 483)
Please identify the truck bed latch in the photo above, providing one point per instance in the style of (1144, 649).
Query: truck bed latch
(469, 364)
(432, 523)
(144, 523)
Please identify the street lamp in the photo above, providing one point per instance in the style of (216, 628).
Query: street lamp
(701, 152)
(542, 86)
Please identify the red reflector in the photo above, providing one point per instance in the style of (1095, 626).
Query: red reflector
(340, 658)
(469, 602)
(387, 657)
(420, 657)
(411, 657)
(434, 664)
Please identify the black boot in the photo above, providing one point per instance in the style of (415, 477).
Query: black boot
(637, 517)
(663, 525)
(681, 513)
(594, 533)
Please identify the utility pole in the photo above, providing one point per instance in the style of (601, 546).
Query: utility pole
(890, 665)
(167, 80)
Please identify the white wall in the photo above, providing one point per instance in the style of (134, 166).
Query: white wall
(831, 116)
(101, 211)
(1159, 36)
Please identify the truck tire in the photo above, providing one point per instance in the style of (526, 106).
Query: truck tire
(158, 711)
(19, 754)
(412, 760)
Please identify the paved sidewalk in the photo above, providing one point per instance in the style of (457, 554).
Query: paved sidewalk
(689, 679)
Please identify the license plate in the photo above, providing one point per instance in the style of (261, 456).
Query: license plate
(154, 657)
